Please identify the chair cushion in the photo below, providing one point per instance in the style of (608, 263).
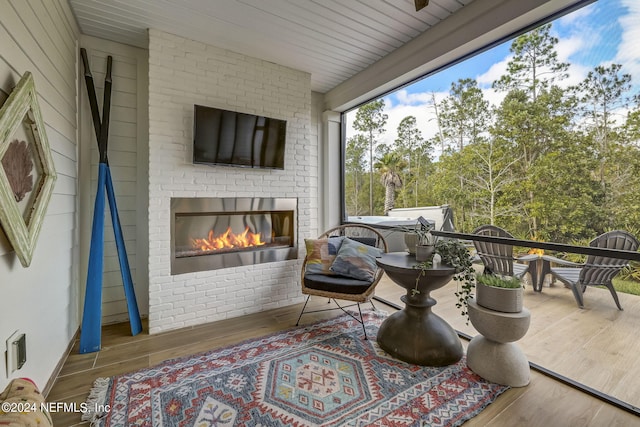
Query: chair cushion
(321, 253)
(338, 284)
(356, 260)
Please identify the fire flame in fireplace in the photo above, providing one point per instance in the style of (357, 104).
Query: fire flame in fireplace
(228, 240)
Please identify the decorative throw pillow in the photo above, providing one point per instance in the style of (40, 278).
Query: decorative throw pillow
(321, 253)
(356, 260)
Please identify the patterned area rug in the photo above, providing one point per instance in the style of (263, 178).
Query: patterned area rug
(323, 374)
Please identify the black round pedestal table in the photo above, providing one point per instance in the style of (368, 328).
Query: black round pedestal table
(415, 334)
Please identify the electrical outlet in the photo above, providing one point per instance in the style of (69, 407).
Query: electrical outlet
(16, 352)
(21, 347)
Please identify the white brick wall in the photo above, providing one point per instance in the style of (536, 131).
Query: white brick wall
(182, 73)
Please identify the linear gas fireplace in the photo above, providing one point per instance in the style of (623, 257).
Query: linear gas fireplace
(213, 233)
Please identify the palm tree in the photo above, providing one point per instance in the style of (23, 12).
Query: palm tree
(388, 166)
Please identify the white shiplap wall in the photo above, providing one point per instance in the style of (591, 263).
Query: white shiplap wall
(42, 300)
(128, 159)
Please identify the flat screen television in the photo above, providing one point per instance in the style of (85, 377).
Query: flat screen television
(222, 137)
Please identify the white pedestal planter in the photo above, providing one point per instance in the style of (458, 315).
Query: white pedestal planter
(507, 300)
(494, 355)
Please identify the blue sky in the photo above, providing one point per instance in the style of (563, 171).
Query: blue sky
(605, 32)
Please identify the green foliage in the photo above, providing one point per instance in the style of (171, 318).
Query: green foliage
(548, 163)
(622, 178)
(449, 186)
(389, 166)
(414, 151)
(534, 66)
(499, 281)
(455, 254)
(631, 272)
(464, 114)
(575, 213)
(371, 120)
(355, 191)
(626, 286)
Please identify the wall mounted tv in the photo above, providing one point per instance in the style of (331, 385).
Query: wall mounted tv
(222, 137)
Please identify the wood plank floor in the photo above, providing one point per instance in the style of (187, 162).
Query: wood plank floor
(585, 343)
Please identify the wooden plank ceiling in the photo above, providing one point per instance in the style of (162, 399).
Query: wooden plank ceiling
(331, 39)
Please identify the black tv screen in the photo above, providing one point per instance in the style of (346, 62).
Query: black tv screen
(222, 137)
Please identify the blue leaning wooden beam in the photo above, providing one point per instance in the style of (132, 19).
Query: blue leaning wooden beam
(130, 294)
(90, 334)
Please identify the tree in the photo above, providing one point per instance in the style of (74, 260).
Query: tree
(370, 120)
(462, 118)
(354, 170)
(407, 143)
(535, 112)
(440, 138)
(465, 114)
(632, 127)
(601, 93)
(535, 66)
(569, 199)
(530, 130)
(624, 173)
(448, 186)
(388, 166)
(492, 174)
(623, 191)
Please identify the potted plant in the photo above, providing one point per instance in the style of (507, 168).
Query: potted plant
(419, 240)
(499, 293)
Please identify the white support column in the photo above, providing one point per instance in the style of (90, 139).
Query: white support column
(330, 166)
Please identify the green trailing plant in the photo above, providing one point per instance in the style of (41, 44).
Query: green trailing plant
(454, 254)
(497, 281)
(422, 266)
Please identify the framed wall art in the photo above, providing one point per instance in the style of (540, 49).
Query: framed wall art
(27, 174)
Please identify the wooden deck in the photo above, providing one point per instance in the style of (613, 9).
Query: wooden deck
(596, 346)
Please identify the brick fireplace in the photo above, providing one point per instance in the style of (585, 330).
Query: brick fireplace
(182, 73)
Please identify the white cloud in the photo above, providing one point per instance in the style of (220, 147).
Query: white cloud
(423, 112)
(566, 47)
(494, 72)
(575, 17)
(577, 73)
(418, 98)
(419, 105)
(629, 49)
